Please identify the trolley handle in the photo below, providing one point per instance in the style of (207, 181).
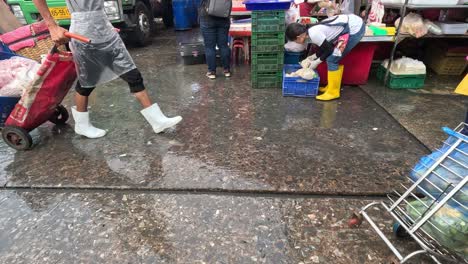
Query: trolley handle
(77, 37)
(71, 36)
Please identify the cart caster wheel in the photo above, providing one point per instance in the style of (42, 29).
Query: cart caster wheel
(17, 138)
(399, 231)
(60, 115)
(355, 221)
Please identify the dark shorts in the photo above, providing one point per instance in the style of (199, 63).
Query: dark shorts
(133, 78)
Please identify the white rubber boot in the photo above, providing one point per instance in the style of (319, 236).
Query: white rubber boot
(158, 120)
(84, 127)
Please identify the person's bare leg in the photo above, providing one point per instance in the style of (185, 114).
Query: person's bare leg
(81, 102)
(143, 98)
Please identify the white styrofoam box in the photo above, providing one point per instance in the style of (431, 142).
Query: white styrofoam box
(433, 2)
(242, 27)
(406, 66)
(453, 28)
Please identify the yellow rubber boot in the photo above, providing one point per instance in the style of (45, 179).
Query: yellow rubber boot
(334, 85)
(323, 89)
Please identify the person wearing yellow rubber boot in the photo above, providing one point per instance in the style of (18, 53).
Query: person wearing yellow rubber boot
(335, 37)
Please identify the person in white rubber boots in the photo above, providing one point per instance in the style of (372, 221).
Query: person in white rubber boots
(104, 59)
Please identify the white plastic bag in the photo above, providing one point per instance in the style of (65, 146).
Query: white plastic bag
(376, 12)
(293, 14)
(17, 86)
(406, 65)
(15, 75)
(412, 24)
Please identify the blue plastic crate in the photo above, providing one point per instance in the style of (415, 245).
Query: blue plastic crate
(291, 57)
(254, 5)
(298, 87)
(7, 104)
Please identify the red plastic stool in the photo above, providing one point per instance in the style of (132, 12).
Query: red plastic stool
(237, 47)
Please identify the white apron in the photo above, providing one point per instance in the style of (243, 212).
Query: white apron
(106, 57)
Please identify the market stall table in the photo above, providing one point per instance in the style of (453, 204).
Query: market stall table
(404, 7)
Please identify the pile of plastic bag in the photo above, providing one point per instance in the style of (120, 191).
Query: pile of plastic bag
(414, 25)
(15, 74)
(406, 65)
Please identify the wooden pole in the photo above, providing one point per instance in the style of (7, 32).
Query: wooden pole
(8, 21)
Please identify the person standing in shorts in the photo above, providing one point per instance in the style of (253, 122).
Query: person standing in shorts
(104, 59)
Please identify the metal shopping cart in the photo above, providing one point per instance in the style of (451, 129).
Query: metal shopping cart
(433, 209)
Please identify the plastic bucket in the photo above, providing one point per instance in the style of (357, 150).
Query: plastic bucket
(292, 57)
(194, 12)
(182, 14)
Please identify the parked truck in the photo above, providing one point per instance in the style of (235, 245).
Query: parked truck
(134, 18)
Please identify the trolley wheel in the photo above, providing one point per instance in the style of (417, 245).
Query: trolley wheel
(60, 115)
(355, 220)
(399, 231)
(17, 138)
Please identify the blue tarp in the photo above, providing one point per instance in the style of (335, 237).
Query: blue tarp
(5, 52)
(445, 177)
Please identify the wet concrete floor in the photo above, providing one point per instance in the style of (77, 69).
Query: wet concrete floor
(232, 138)
(424, 111)
(133, 196)
(110, 227)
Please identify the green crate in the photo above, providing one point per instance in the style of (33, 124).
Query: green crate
(268, 25)
(268, 39)
(407, 81)
(267, 42)
(279, 14)
(266, 80)
(267, 67)
(267, 62)
(267, 48)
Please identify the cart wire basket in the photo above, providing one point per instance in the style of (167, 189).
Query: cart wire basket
(432, 208)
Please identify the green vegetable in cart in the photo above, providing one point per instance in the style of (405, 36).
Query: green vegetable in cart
(449, 225)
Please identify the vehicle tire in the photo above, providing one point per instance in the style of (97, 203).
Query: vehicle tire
(17, 138)
(60, 115)
(167, 14)
(144, 21)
